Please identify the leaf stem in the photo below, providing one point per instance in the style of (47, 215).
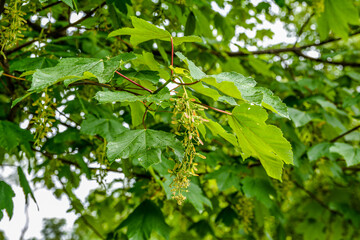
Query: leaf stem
(132, 81)
(213, 108)
(11, 76)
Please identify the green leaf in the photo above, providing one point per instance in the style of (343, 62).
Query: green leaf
(190, 24)
(239, 87)
(110, 97)
(25, 186)
(180, 40)
(145, 75)
(226, 177)
(69, 3)
(19, 99)
(196, 197)
(143, 31)
(145, 219)
(260, 189)
(319, 150)
(227, 216)
(348, 152)
(28, 64)
(299, 118)
(337, 17)
(145, 145)
(273, 103)
(75, 68)
(107, 128)
(6, 202)
(260, 140)
(217, 129)
(195, 71)
(137, 113)
(11, 135)
(235, 85)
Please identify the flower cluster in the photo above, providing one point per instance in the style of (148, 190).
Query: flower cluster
(44, 118)
(245, 208)
(12, 25)
(187, 120)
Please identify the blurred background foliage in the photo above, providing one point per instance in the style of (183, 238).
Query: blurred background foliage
(315, 70)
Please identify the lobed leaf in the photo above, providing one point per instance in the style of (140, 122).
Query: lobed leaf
(260, 140)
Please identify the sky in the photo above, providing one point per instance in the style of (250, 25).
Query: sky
(49, 206)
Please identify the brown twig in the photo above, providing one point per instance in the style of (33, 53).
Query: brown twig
(345, 133)
(314, 197)
(303, 28)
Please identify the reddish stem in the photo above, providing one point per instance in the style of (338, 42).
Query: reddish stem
(132, 81)
(215, 109)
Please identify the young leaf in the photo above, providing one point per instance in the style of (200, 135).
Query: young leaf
(195, 71)
(75, 68)
(260, 140)
(145, 219)
(25, 185)
(145, 145)
(143, 31)
(6, 202)
(196, 197)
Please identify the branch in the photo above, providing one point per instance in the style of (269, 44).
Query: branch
(345, 133)
(303, 28)
(68, 162)
(56, 33)
(350, 64)
(314, 197)
(297, 51)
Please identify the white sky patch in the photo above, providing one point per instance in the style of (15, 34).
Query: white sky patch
(76, 16)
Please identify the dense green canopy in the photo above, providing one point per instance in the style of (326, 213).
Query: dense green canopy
(212, 132)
